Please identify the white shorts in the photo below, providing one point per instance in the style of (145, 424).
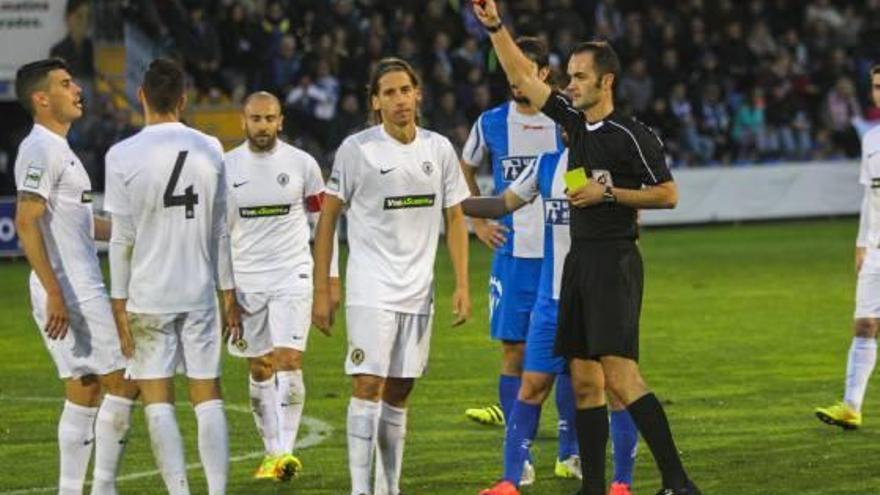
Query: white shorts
(91, 346)
(164, 344)
(273, 319)
(387, 343)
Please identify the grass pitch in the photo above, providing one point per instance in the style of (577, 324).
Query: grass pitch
(745, 329)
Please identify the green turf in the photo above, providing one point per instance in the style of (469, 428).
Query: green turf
(745, 330)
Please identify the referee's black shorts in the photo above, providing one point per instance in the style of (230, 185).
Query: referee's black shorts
(600, 301)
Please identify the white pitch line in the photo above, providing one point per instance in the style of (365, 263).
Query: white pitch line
(317, 431)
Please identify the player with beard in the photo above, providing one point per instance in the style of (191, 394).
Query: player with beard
(622, 168)
(275, 194)
(511, 136)
(396, 181)
(58, 229)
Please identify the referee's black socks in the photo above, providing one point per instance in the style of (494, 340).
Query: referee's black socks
(592, 433)
(650, 419)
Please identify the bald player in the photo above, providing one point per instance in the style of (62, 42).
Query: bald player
(275, 194)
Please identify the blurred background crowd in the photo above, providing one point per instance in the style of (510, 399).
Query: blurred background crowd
(721, 81)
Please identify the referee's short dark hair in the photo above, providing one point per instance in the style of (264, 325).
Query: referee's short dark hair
(875, 70)
(34, 77)
(163, 85)
(604, 57)
(535, 49)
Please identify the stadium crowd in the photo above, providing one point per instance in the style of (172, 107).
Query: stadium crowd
(720, 81)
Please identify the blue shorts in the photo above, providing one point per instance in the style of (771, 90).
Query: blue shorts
(542, 336)
(513, 286)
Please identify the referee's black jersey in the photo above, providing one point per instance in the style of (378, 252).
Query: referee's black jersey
(618, 151)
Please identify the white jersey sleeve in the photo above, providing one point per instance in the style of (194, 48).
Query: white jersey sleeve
(115, 197)
(475, 148)
(346, 171)
(222, 250)
(526, 185)
(41, 170)
(455, 189)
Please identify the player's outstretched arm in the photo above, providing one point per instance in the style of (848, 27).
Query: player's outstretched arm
(322, 308)
(28, 211)
(490, 233)
(492, 206)
(521, 72)
(457, 242)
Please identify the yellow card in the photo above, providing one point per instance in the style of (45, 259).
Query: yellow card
(576, 179)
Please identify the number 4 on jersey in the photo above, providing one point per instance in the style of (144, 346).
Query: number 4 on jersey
(188, 199)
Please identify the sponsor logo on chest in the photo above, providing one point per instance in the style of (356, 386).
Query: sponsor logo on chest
(264, 211)
(556, 212)
(512, 166)
(409, 201)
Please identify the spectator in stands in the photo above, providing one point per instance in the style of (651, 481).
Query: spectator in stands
(241, 53)
(637, 87)
(446, 116)
(76, 48)
(714, 121)
(840, 108)
(749, 128)
(348, 119)
(200, 44)
(274, 27)
(694, 145)
(286, 66)
(662, 121)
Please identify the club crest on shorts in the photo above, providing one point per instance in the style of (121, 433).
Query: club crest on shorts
(241, 345)
(357, 356)
(283, 179)
(427, 168)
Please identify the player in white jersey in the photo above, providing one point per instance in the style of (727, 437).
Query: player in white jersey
(169, 254)
(275, 194)
(394, 180)
(57, 230)
(863, 350)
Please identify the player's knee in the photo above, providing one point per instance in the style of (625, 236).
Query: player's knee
(534, 390)
(624, 384)
(397, 390)
(367, 387)
(287, 359)
(865, 328)
(116, 384)
(512, 358)
(261, 368)
(204, 390)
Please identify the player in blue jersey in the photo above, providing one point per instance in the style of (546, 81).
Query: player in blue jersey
(511, 136)
(545, 179)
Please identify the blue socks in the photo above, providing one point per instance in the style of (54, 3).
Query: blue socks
(565, 406)
(508, 390)
(624, 439)
(522, 426)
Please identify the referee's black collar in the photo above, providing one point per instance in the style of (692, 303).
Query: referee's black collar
(595, 126)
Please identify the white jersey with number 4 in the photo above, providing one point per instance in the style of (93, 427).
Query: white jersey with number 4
(46, 166)
(169, 180)
(270, 196)
(395, 194)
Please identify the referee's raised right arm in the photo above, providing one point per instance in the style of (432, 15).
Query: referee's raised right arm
(521, 72)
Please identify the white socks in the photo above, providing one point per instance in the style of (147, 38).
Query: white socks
(264, 405)
(111, 429)
(390, 439)
(168, 446)
(363, 419)
(213, 444)
(75, 440)
(862, 357)
(291, 395)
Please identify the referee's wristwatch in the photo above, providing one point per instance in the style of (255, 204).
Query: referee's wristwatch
(608, 196)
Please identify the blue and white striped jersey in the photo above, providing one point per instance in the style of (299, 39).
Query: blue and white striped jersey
(545, 178)
(513, 141)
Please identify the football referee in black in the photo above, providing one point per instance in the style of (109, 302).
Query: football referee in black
(602, 279)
